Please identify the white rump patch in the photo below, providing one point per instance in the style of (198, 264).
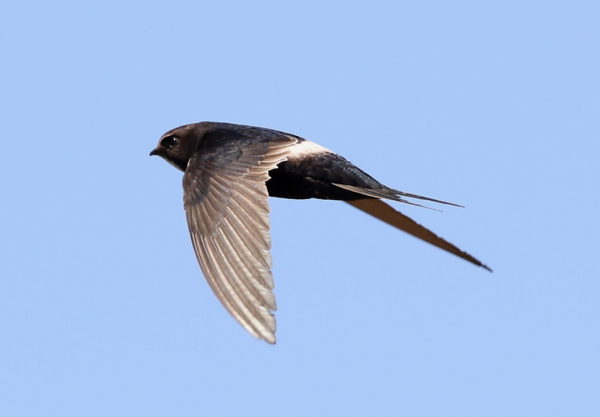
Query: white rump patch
(306, 148)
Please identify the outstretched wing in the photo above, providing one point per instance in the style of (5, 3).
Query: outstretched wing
(225, 200)
(383, 211)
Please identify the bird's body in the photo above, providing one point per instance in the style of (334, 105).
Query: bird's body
(230, 170)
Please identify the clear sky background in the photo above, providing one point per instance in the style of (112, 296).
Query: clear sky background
(495, 105)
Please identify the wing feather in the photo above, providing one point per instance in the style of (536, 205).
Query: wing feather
(226, 203)
(386, 213)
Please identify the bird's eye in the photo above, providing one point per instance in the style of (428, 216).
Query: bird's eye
(169, 141)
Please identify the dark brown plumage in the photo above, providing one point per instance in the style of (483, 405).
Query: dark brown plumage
(229, 173)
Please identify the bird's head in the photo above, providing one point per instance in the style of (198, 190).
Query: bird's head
(178, 145)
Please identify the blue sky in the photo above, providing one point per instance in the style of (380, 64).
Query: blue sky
(494, 105)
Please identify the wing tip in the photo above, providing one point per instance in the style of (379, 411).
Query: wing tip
(268, 337)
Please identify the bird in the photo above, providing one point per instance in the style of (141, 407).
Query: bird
(230, 170)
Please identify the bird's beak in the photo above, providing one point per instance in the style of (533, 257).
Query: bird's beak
(154, 152)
